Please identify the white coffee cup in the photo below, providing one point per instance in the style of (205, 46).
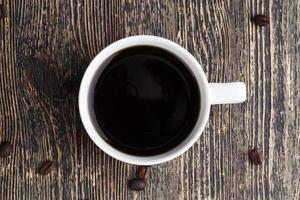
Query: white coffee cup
(210, 93)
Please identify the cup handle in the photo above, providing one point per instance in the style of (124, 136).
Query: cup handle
(227, 93)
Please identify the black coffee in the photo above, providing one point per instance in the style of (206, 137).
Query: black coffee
(146, 101)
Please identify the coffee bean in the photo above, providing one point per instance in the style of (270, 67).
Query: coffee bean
(256, 156)
(136, 184)
(3, 12)
(142, 172)
(5, 149)
(46, 167)
(261, 20)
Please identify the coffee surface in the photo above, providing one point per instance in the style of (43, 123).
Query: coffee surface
(146, 101)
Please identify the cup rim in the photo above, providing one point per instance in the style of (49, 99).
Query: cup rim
(94, 70)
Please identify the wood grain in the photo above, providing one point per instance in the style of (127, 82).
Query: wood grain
(45, 46)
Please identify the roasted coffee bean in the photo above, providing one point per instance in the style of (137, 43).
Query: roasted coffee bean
(5, 149)
(136, 184)
(46, 167)
(142, 172)
(256, 156)
(260, 20)
(3, 12)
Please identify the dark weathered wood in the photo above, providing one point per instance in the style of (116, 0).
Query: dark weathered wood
(45, 46)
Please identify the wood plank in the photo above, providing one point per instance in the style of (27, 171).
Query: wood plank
(45, 46)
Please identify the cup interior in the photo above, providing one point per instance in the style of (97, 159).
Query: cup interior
(92, 74)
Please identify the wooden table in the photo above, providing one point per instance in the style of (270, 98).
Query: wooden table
(45, 47)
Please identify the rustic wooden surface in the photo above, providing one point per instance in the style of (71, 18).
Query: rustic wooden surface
(45, 46)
